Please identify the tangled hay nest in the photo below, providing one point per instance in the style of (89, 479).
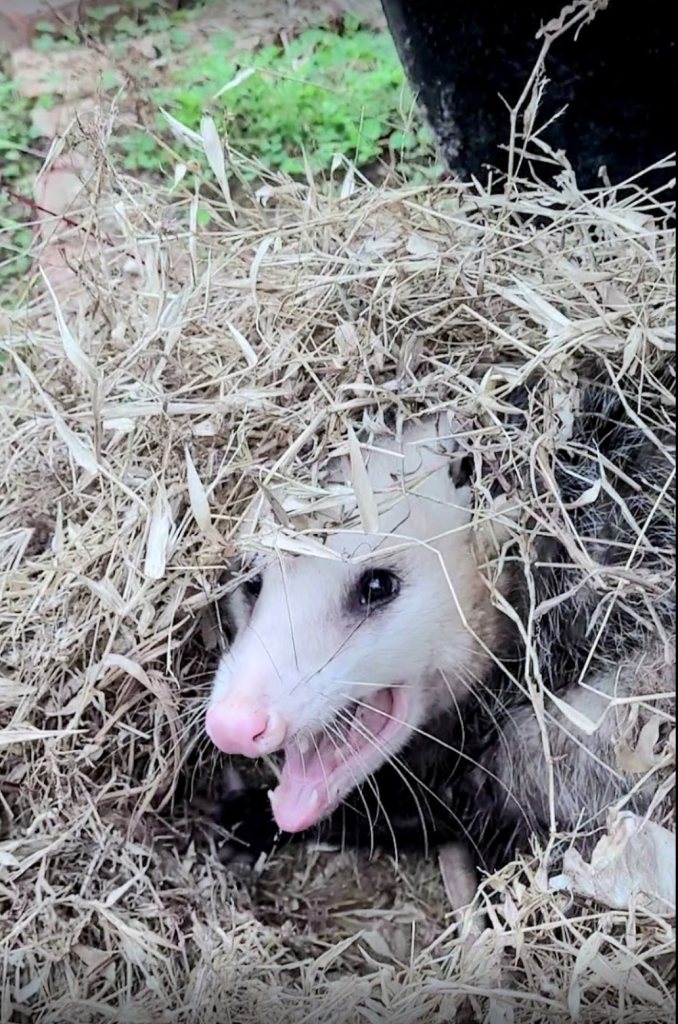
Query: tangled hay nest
(147, 381)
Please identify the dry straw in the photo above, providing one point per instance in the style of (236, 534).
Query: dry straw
(145, 393)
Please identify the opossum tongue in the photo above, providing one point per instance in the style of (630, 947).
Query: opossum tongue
(314, 782)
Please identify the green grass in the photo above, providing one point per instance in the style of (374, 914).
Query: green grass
(292, 107)
(116, 22)
(18, 163)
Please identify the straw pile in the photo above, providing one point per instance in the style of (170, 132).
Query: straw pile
(140, 395)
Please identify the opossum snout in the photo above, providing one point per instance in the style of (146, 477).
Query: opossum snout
(241, 728)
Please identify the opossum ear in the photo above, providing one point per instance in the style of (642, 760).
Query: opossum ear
(391, 417)
(235, 604)
(462, 469)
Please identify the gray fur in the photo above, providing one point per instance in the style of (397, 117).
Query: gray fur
(496, 763)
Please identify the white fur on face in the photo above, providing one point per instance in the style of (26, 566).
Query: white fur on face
(306, 652)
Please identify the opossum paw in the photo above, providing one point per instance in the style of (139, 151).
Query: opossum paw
(246, 817)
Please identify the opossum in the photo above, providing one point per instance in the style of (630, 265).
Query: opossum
(408, 701)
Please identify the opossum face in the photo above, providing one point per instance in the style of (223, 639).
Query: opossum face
(338, 661)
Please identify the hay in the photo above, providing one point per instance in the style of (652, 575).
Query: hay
(141, 398)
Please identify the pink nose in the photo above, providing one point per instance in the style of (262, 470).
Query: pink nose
(242, 729)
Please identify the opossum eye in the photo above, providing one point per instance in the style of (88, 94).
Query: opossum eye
(376, 587)
(252, 586)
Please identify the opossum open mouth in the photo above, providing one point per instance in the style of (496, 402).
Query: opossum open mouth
(320, 771)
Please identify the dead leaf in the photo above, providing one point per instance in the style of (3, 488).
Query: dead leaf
(635, 864)
(642, 758)
(367, 505)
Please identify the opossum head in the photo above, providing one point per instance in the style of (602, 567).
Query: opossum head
(339, 660)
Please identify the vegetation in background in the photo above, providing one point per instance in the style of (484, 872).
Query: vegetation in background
(19, 159)
(292, 106)
(295, 106)
(130, 19)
